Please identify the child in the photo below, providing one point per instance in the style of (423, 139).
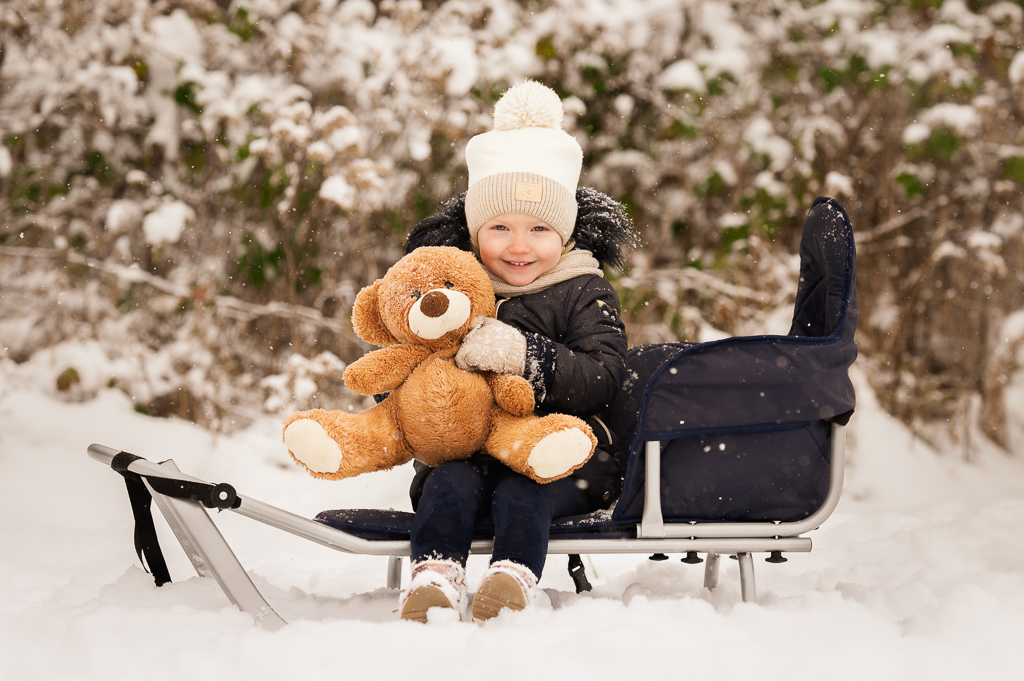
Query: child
(543, 243)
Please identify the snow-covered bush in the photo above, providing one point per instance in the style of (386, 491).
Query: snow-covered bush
(225, 175)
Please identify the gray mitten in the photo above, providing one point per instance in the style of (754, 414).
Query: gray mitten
(495, 346)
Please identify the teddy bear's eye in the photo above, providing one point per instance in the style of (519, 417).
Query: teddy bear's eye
(415, 295)
(449, 284)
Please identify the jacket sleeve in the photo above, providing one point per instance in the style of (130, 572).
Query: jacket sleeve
(581, 374)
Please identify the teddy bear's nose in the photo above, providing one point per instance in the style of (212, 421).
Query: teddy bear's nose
(434, 304)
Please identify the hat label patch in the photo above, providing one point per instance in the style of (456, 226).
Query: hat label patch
(528, 191)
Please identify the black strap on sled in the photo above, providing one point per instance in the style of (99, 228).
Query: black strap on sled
(147, 546)
(578, 573)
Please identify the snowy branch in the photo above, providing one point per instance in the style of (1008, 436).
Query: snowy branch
(238, 309)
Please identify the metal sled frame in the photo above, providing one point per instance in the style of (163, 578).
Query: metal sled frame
(212, 557)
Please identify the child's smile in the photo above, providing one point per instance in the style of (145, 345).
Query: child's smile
(518, 247)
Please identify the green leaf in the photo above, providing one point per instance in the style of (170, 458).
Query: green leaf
(185, 95)
(257, 265)
(943, 143)
(911, 183)
(830, 78)
(1013, 169)
(241, 25)
(712, 185)
(545, 47)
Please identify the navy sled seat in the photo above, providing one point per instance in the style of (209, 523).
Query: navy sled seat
(731, 447)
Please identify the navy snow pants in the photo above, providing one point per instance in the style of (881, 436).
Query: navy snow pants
(457, 493)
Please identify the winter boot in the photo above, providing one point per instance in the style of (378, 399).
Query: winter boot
(505, 585)
(434, 584)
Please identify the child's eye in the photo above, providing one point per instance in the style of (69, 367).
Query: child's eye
(501, 227)
(540, 228)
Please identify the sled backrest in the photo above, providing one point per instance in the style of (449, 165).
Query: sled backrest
(744, 423)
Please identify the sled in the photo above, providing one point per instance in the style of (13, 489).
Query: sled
(732, 447)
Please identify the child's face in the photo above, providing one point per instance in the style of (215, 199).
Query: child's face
(518, 247)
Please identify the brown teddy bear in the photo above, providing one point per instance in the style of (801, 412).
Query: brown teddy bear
(436, 412)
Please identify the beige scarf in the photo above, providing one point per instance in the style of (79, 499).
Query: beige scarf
(573, 264)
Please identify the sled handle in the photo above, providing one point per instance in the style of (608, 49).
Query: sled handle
(103, 454)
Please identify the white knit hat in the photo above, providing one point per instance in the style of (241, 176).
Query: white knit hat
(527, 164)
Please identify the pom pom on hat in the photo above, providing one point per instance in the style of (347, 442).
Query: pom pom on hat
(527, 164)
(528, 105)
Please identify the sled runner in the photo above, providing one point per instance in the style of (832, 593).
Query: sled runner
(732, 447)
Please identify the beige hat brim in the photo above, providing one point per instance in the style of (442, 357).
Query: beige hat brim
(521, 192)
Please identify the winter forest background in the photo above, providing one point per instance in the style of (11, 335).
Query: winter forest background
(193, 191)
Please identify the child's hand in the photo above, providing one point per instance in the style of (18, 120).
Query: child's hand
(492, 345)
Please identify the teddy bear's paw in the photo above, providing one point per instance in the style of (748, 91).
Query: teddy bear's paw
(559, 452)
(512, 393)
(309, 443)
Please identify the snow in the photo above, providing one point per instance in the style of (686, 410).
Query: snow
(948, 249)
(336, 190)
(1006, 11)
(122, 215)
(1016, 70)
(882, 48)
(1013, 327)
(733, 220)
(760, 135)
(419, 143)
(166, 224)
(962, 119)
(916, 133)
(458, 57)
(984, 240)
(177, 37)
(918, 574)
(767, 181)
(728, 40)
(683, 75)
(1008, 226)
(839, 185)
(5, 162)
(726, 171)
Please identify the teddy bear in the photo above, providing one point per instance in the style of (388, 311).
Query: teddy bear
(435, 412)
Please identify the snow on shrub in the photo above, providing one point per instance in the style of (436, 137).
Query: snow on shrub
(682, 75)
(1016, 70)
(962, 119)
(302, 379)
(916, 133)
(122, 215)
(305, 139)
(5, 162)
(166, 224)
(338, 191)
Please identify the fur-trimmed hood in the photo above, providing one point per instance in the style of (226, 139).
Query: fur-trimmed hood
(601, 227)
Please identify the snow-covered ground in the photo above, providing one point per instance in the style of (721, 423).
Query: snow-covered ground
(918, 575)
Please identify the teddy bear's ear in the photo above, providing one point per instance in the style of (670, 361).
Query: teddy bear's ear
(366, 319)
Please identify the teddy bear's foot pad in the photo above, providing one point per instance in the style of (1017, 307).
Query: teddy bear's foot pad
(309, 443)
(558, 452)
